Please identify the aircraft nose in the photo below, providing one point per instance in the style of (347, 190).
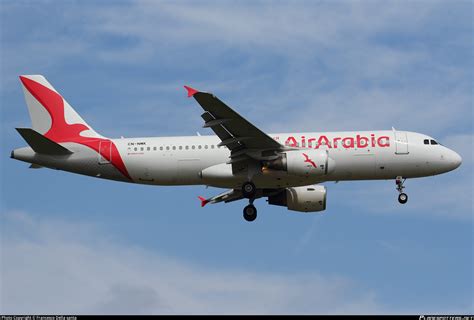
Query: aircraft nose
(455, 159)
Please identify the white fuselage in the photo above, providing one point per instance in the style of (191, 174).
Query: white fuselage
(364, 155)
(197, 160)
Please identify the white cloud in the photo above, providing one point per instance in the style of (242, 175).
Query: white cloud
(338, 68)
(263, 24)
(60, 267)
(342, 65)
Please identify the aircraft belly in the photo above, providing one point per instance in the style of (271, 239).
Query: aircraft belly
(266, 180)
(188, 171)
(353, 166)
(162, 171)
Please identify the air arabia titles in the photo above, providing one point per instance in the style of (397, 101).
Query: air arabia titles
(346, 142)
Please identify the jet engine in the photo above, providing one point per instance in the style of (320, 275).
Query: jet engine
(303, 163)
(303, 199)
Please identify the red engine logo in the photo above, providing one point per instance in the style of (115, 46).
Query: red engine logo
(307, 159)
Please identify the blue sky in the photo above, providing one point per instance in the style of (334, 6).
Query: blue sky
(72, 244)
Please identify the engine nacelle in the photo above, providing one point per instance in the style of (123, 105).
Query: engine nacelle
(303, 199)
(303, 163)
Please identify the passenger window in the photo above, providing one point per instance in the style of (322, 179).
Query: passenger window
(205, 147)
(135, 148)
(180, 147)
(148, 149)
(154, 148)
(167, 148)
(187, 147)
(141, 149)
(199, 146)
(212, 146)
(174, 148)
(433, 142)
(161, 148)
(192, 147)
(426, 141)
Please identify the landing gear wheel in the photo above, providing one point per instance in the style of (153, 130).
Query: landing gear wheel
(248, 190)
(402, 198)
(250, 212)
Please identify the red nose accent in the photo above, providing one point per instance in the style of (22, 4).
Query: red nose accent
(203, 201)
(191, 91)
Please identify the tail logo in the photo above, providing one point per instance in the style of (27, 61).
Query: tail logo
(61, 131)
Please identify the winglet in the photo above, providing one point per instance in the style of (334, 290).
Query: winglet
(191, 91)
(204, 201)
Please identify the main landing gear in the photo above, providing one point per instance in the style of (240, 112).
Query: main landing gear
(250, 213)
(248, 191)
(402, 197)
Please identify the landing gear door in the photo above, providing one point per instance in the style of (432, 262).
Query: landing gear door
(105, 152)
(401, 142)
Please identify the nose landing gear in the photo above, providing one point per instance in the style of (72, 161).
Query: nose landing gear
(402, 197)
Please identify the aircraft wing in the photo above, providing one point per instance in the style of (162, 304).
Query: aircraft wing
(236, 194)
(244, 140)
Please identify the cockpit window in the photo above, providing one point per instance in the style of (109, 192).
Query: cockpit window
(426, 141)
(433, 142)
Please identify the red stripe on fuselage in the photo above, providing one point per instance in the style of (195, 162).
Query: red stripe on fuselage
(61, 131)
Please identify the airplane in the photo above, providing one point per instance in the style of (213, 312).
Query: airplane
(285, 168)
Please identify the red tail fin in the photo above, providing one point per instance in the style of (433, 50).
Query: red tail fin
(50, 114)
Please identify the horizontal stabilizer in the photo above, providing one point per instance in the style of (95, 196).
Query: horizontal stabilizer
(41, 144)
